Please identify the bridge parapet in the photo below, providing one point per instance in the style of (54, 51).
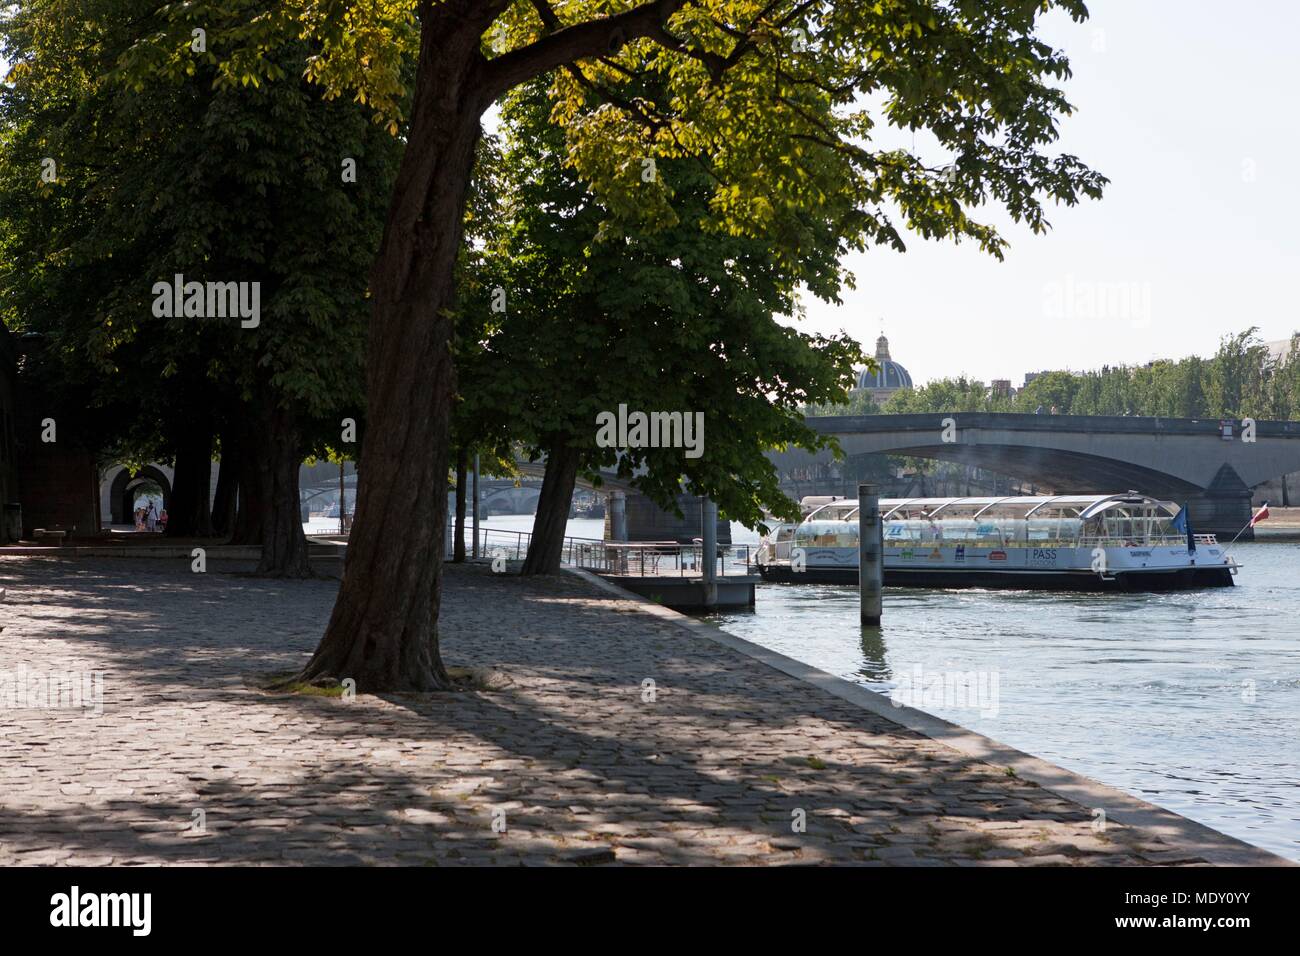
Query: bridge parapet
(1089, 424)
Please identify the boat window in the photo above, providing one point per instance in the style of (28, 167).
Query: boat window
(1057, 528)
(1141, 522)
(997, 533)
(981, 523)
(826, 534)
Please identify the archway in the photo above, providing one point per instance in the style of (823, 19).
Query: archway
(126, 486)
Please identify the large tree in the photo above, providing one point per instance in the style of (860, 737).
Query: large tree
(784, 95)
(681, 315)
(266, 183)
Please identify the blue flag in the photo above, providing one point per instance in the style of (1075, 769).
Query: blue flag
(1179, 523)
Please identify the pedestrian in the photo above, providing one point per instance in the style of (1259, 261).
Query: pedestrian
(162, 520)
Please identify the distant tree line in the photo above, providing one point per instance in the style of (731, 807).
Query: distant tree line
(1242, 379)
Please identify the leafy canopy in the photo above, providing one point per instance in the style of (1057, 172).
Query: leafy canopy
(603, 312)
(786, 97)
(184, 175)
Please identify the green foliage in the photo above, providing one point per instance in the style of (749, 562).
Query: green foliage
(364, 50)
(190, 175)
(858, 402)
(678, 316)
(952, 395)
(785, 97)
(1051, 390)
(1241, 380)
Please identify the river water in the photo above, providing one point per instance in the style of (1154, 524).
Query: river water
(1190, 699)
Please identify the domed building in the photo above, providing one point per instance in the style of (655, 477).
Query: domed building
(889, 378)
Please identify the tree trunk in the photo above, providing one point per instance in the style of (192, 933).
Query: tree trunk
(546, 546)
(383, 631)
(462, 475)
(284, 546)
(190, 514)
(248, 516)
(225, 501)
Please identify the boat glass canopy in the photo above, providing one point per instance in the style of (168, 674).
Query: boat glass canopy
(1012, 521)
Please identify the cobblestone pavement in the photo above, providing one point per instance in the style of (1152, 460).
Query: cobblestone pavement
(571, 761)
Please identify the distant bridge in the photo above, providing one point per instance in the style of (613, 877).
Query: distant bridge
(1212, 464)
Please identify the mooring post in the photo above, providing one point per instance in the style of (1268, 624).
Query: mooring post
(709, 547)
(474, 492)
(617, 516)
(618, 529)
(343, 510)
(871, 554)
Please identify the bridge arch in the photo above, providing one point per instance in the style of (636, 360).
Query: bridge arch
(510, 500)
(1060, 470)
(1210, 463)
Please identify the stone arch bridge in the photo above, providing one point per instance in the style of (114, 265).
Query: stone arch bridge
(1211, 464)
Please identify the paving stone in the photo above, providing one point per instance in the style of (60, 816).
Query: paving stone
(585, 771)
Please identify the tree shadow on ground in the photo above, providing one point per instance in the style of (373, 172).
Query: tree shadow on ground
(717, 766)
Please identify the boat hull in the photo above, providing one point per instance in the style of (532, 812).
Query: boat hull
(1015, 579)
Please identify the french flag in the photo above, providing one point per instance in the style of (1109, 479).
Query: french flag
(1259, 515)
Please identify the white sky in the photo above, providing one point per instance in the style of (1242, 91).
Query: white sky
(1192, 115)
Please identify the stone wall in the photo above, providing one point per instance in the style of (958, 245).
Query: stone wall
(57, 487)
(1281, 492)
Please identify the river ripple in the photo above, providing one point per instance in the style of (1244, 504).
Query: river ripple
(1190, 700)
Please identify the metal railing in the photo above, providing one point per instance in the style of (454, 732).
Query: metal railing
(649, 559)
(1140, 541)
(497, 543)
(619, 557)
(1083, 541)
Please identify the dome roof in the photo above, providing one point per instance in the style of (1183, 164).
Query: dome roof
(890, 375)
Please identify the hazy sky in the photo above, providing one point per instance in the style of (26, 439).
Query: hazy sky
(1192, 115)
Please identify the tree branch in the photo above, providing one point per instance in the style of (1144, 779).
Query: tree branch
(549, 19)
(717, 65)
(581, 40)
(479, 13)
(631, 107)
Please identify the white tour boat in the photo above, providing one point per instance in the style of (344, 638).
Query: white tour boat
(1079, 542)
